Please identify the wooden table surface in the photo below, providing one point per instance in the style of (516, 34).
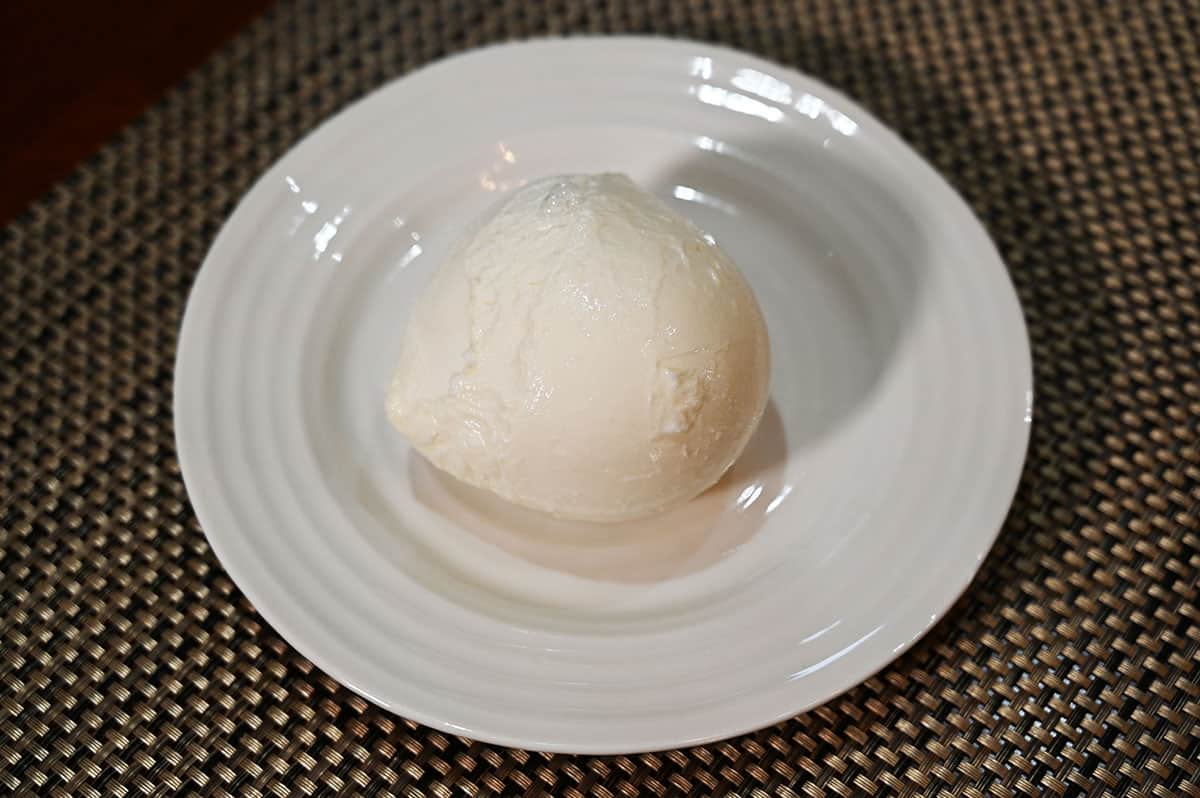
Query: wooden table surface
(74, 73)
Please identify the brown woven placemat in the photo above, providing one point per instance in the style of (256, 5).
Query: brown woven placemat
(131, 665)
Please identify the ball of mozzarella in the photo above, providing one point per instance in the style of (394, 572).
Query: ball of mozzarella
(587, 352)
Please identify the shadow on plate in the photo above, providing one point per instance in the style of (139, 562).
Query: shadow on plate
(837, 259)
(675, 543)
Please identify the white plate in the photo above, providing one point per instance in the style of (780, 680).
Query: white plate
(901, 395)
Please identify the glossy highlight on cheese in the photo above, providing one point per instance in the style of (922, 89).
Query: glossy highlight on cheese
(587, 352)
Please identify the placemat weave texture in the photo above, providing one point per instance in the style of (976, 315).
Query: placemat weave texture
(131, 665)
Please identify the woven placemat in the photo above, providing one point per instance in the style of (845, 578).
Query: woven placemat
(131, 665)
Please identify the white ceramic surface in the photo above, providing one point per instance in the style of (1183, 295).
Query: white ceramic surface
(901, 399)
